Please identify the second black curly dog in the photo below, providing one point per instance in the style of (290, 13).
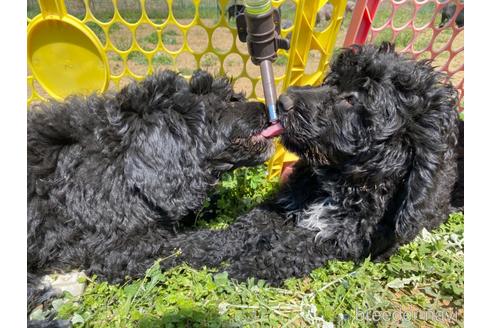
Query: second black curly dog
(378, 164)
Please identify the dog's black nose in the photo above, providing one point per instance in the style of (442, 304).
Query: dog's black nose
(285, 103)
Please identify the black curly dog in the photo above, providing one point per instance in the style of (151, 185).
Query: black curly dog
(111, 177)
(377, 142)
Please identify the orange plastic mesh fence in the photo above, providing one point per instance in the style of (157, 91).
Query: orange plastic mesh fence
(427, 29)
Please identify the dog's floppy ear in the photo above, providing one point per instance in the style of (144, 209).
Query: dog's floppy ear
(418, 186)
(432, 132)
(162, 159)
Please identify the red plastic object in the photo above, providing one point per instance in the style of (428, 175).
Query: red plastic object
(361, 22)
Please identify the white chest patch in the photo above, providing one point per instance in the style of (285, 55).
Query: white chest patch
(316, 217)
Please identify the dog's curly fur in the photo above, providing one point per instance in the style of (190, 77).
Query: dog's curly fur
(377, 145)
(111, 177)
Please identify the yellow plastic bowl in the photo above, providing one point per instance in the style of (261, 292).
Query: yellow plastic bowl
(64, 55)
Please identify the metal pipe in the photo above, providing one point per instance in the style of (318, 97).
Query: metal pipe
(269, 90)
(262, 48)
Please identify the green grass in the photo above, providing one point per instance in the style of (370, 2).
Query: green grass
(238, 192)
(183, 11)
(186, 71)
(207, 11)
(151, 38)
(123, 40)
(281, 60)
(114, 57)
(162, 59)
(168, 37)
(170, 32)
(137, 58)
(209, 60)
(99, 31)
(425, 275)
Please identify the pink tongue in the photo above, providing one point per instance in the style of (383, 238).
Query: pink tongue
(273, 130)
